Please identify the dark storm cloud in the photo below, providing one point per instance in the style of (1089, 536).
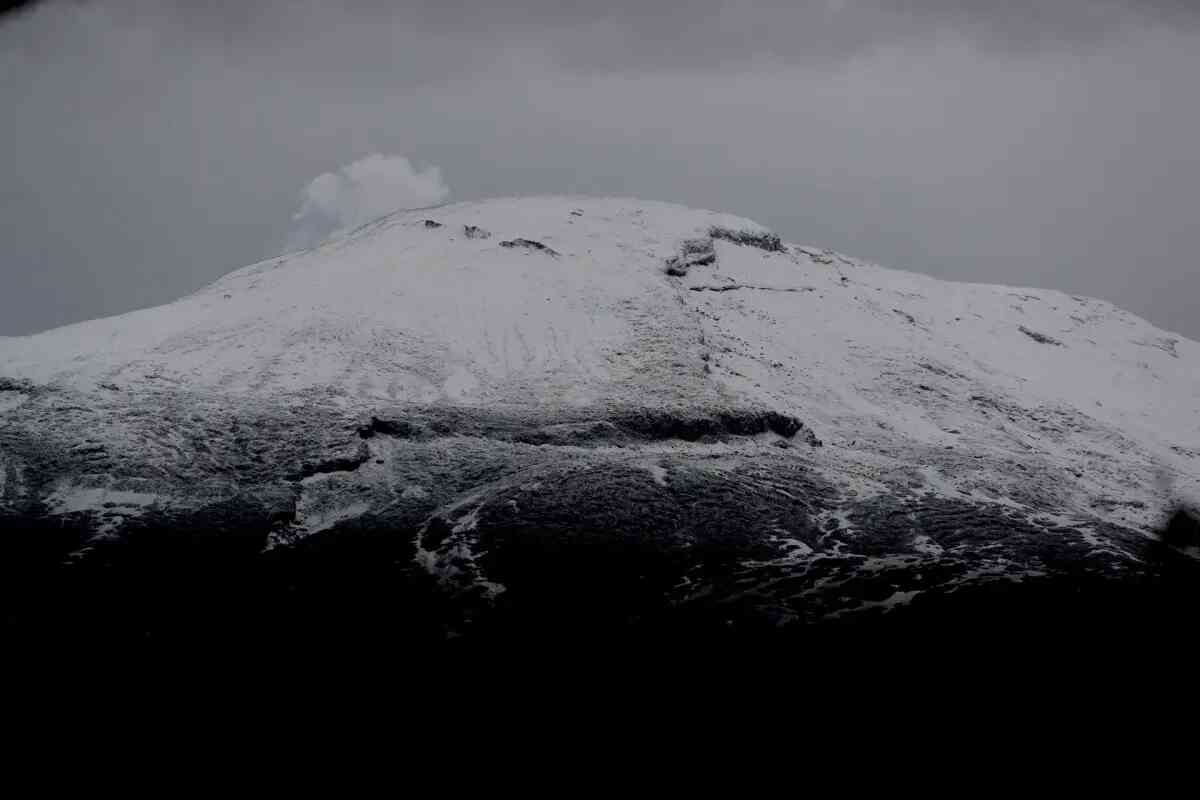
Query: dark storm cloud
(699, 30)
(629, 33)
(7, 6)
(151, 146)
(1031, 17)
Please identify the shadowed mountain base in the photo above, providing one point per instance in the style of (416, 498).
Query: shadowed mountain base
(210, 591)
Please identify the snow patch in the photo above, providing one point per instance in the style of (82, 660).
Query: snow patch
(9, 400)
(461, 384)
(323, 518)
(71, 499)
(658, 472)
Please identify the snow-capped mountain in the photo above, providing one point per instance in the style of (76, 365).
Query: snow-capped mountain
(591, 398)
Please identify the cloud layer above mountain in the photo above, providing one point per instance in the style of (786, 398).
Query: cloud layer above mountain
(153, 146)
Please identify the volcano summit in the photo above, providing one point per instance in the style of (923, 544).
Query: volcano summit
(571, 415)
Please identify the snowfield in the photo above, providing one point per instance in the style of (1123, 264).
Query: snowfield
(481, 374)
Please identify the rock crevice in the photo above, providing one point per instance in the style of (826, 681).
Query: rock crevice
(529, 244)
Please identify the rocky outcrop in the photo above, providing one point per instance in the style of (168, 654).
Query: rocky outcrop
(501, 522)
(529, 244)
(763, 240)
(692, 253)
(1040, 338)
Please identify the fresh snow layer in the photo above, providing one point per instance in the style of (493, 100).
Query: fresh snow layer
(872, 359)
(403, 312)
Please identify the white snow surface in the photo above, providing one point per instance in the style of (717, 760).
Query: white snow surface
(870, 358)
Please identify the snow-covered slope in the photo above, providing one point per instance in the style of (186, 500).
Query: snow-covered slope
(534, 313)
(408, 313)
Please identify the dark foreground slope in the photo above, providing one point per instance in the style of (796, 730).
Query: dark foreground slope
(204, 587)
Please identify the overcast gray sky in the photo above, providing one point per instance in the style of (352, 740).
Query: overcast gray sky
(149, 147)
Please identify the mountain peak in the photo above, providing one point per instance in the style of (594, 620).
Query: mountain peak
(580, 301)
(434, 371)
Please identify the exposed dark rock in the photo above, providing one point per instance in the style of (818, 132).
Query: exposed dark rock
(15, 385)
(665, 424)
(1167, 344)
(577, 434)
(692, 253)
(733, 287)
(701, 252)
(1039, 337)
(936, 370)
(760, 239)
(432, 223)
(436, 531)
(475, 232)
(400, 429)
(600, 549)
(530, 244)
(347, 463)
(1183, 530)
